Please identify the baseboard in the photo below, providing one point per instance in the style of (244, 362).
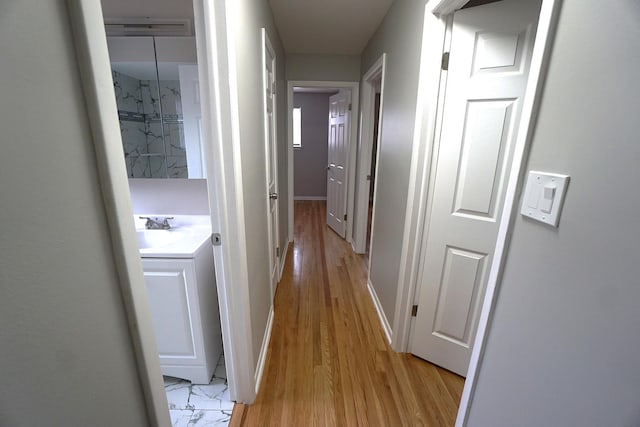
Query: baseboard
(283, 259)
(383, 319)
(309, 197)
(263, 350)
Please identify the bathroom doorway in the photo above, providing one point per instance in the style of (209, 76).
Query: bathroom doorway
(154, 67)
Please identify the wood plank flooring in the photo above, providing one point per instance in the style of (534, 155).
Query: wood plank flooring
(328, 362)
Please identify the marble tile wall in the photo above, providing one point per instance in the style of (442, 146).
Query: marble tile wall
(142, 132)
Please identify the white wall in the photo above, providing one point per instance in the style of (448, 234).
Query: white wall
(317, 67)
(169, 196)
(66, 353)
(250, 18)
(564, 343)
(399, 36)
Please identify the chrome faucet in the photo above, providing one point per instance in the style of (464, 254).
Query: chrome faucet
(157, 223)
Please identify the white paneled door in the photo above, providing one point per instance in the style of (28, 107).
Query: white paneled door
(489, 63)
(271, 156)
(339, 125)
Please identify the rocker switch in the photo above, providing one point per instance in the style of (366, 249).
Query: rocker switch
(548, 194)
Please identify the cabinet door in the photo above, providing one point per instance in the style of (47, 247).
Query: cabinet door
(173, 302)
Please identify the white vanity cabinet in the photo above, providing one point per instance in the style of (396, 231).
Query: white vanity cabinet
(184, 309)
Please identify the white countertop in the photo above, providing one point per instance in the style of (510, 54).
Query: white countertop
(188, 233)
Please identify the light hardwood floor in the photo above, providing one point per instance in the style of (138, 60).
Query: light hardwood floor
(329, 363)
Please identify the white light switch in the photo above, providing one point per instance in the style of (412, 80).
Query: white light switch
(544, 196)
(548, 193)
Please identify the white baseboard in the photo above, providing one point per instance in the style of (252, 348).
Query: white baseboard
(383, 319)
(263, 350)
(283, 259)
(309, 197)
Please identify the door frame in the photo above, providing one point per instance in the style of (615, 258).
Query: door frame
(436, 16)
(218, 91)
(354, 87)
(92, 58)
(220, 125)
(365, 151)
(274, 235)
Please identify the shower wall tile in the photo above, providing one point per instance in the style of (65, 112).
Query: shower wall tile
(157, 168)
(134, 139)
(154, 140)
(128, 94)
(174, 137)
(170, 97)
(177, 166)
(138, 167)
(150, 98)
(142, 139)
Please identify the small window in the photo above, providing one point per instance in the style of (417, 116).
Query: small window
(297, 139)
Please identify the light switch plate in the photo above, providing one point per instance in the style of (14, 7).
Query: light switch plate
(544, 196)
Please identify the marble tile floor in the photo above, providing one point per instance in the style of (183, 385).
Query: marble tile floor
(200, 405)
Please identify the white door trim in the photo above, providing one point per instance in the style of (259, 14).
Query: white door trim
(219, 94)
(365, 150)
(92, 58)
(351, 159)
(433, 42)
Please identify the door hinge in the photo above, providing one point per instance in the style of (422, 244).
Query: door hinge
(278, 252)
(349, 106)
(414, 311)
(445, 61)
(345, 217)
(368, 177)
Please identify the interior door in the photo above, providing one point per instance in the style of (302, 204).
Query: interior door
(489, 62)
(271, 156)
(339, 131)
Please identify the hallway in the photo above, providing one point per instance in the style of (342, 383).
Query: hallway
(328, 361)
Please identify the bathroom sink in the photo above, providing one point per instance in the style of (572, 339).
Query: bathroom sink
(158, 238)
(188, 235)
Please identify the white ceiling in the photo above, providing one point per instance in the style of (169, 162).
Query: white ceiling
(327, 26)
(305, 26)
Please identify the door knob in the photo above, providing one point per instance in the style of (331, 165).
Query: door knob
(273, 196)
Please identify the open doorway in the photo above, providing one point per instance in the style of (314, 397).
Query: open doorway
(374, 160)
(311, 134)
(322, 152)
(157, 95)
(370, 129)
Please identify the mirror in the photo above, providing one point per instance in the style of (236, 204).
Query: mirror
(156, 86)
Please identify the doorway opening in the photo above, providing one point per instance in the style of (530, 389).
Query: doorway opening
(374, 160)
(322, 163)
(370, 131)
(157, 94)
(310, 143)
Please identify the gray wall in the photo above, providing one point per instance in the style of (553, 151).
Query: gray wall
(323, 67)
(399, 36)
(564, 345)
(251, 17)
(310, 161)
(66, 353)
(169, 196)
